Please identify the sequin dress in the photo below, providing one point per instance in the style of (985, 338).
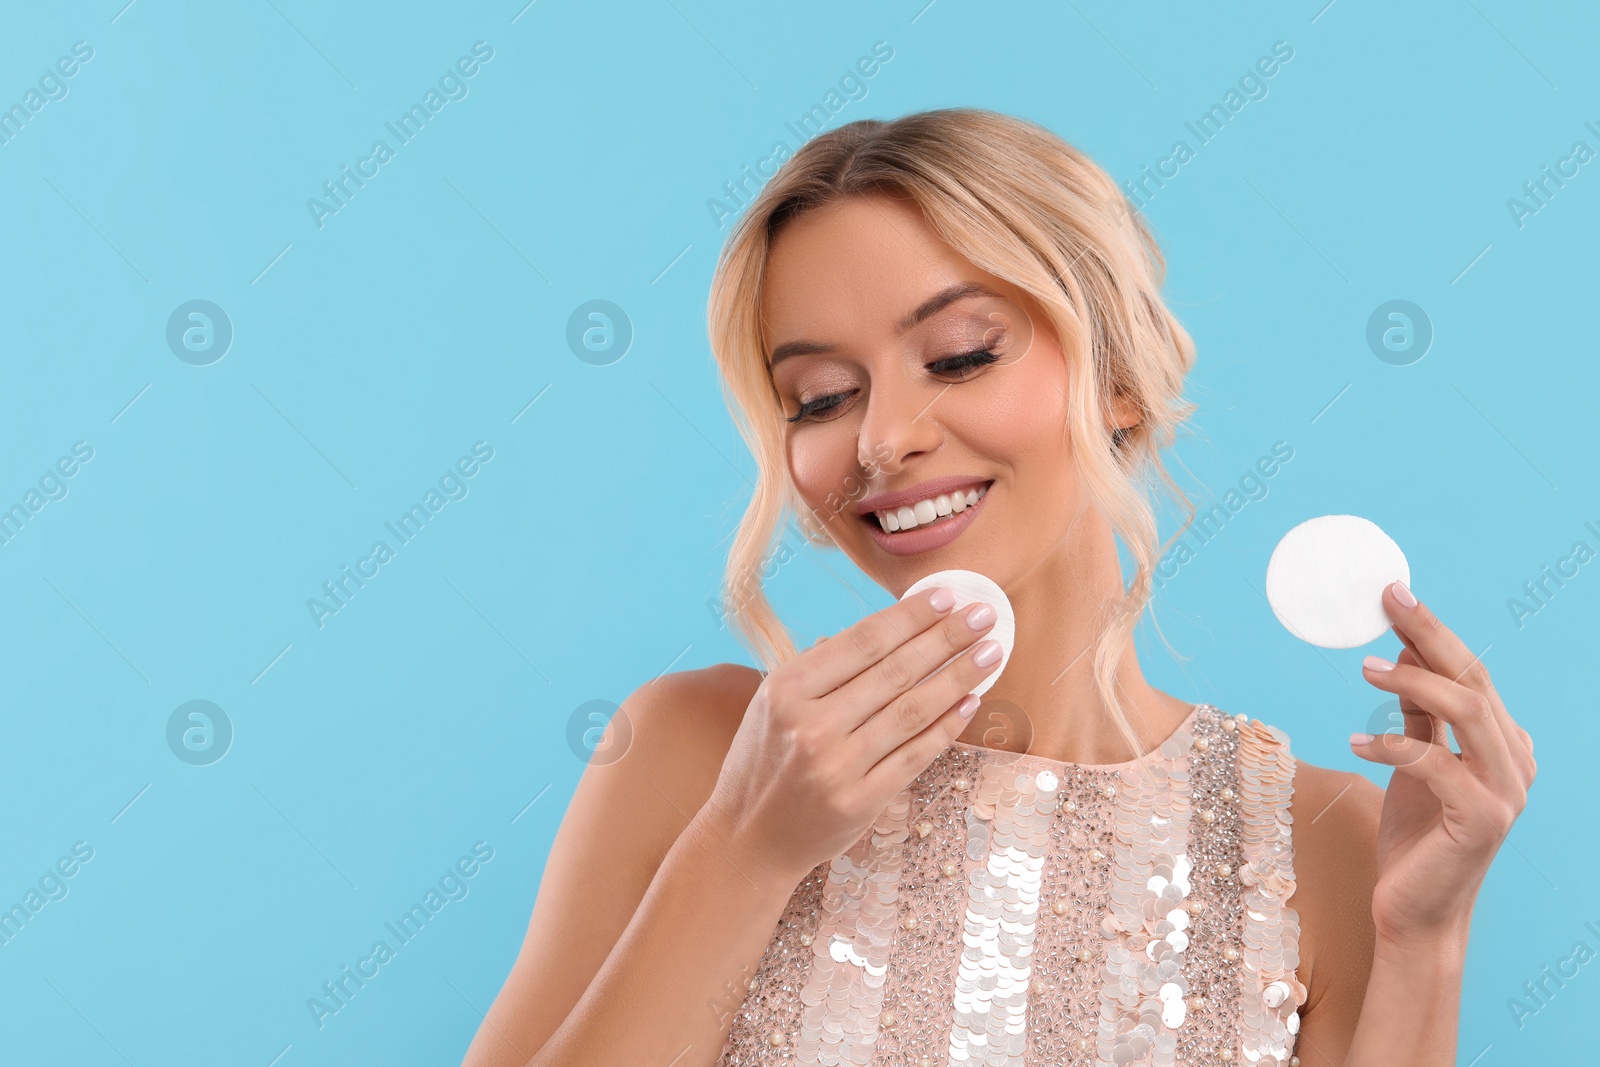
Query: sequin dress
(1008, 909)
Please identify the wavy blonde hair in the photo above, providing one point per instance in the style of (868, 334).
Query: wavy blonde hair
(1027, 207)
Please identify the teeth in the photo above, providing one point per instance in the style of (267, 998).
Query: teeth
(924, 512)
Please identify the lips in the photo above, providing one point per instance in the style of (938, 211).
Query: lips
(926, 536)
(921, 491)
(929, 510)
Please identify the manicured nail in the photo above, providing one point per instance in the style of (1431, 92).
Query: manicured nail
(1360, 739)
(1402, 594)
(988, 654)
(981, 616)
(941, 599)
(1377, 663)
(968, 706)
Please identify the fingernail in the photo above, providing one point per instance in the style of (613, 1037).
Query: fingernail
(1377, 663)
(968, 706)
(1402, 594)
(1360, 739)
(941, 599)
(988, 653)
(980, 616)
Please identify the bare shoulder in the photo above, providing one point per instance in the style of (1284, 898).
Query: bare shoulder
(695, 713)
(1321, 794)
(653, 771)
(1335, 834)
(658, 760)
(683, 724)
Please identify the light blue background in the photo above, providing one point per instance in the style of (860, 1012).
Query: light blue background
(429, 312)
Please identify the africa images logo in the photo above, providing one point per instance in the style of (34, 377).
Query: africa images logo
(452, 85)
(851, 86)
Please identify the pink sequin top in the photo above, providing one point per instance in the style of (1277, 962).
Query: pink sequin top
(1008, 909)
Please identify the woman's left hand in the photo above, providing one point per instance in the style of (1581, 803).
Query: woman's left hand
(1444, 814)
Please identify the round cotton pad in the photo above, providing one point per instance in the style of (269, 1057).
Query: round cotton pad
(970, 587)
(1326, 578)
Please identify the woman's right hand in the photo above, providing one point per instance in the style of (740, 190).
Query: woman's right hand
(834, 734)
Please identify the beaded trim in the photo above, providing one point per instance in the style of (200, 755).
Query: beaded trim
(1271, 994)
(1209, 1032)
(919, 990)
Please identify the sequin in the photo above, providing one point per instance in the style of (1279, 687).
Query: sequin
(1011, 910)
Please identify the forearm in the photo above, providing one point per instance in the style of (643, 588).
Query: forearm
(668, 990)
(1412, 1008)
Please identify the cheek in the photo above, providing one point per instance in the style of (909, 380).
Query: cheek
(822, 462)
(1023, 420)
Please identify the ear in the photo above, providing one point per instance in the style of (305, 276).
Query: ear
(1122, 413)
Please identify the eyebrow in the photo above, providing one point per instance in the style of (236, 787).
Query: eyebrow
(921, 313)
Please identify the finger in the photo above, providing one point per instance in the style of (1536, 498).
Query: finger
(1411, 646)
(896, 673)
(1446, 654)
(1418, 721)
(855, 648)
(1467, 803)
(907, 715)
(1468, 712)
(904, 762)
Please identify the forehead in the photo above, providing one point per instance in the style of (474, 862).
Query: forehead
(854, 267)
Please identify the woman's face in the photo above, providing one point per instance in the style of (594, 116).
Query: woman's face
(916, 376)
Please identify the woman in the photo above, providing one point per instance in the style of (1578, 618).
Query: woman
(837, 861)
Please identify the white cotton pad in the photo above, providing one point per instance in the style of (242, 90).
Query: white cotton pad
(970, 587)
(1326, 578)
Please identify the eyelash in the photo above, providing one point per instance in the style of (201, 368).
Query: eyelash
(967, 361)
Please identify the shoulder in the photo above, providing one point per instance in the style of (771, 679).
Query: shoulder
(652, 770)
(658, 758)
(682, 724)
(705, 698)
(1328, 802)
(1334, 819)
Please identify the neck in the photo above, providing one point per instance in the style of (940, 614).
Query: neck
(1046, 702)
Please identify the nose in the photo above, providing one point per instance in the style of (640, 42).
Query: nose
(899, 424)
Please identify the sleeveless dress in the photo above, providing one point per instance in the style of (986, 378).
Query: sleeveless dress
(1009, 909)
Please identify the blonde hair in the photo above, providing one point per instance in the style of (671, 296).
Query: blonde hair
(1023, 205)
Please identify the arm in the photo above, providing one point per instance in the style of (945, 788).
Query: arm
(1413, 1005)
(645, 915)
(667, 992)
(1370, 999)
(1441, 823)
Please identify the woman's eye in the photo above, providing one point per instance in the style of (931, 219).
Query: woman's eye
(821, 405)
(959, 365)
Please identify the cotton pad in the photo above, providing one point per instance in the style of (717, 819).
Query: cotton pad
(1326, 578)
(970, 587)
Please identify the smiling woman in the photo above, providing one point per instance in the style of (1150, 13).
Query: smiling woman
(933, 249)
(943, 341)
